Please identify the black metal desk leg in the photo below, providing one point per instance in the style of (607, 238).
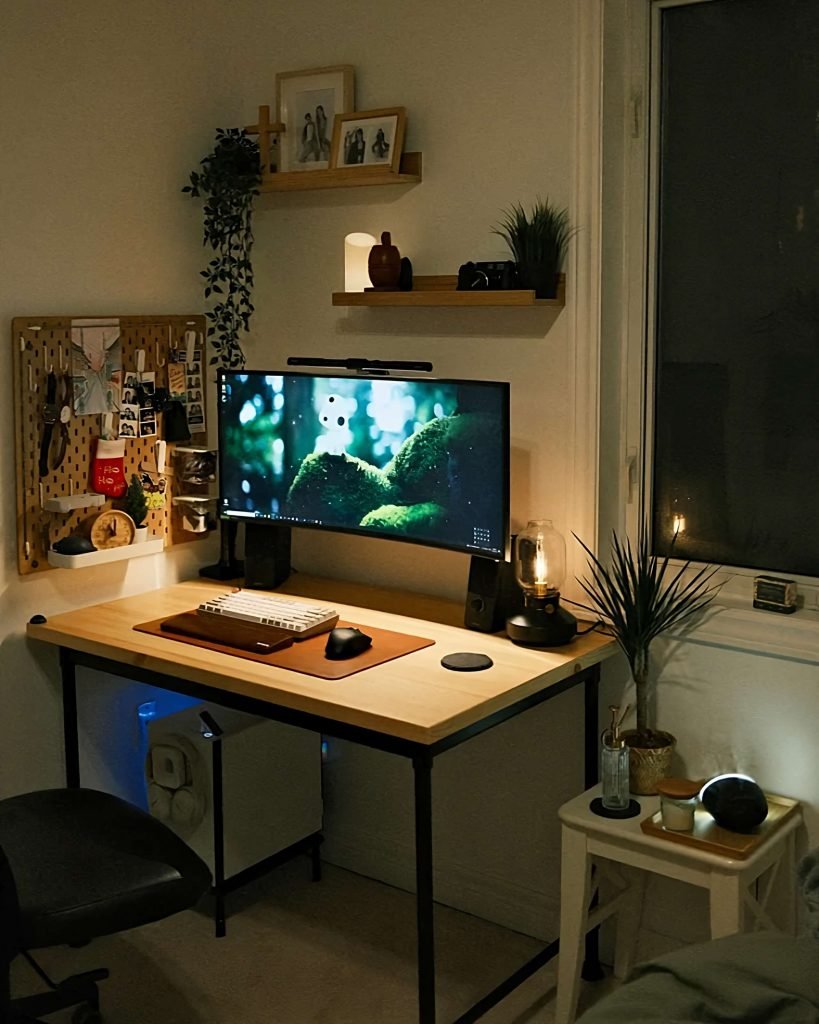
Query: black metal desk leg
(591, 727)
(71, 740)
(425, 910)
(218, 842)
(591, 970)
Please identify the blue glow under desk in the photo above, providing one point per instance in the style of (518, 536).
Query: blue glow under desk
(411, 707)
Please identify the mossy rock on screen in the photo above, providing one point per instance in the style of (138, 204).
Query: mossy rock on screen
(345, 487)
(426, 517)
(442, 459)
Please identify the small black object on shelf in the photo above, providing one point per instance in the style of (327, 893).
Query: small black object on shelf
(596, 807)
(490, 275)
(405, 275)
(37, 620)
(73, 544)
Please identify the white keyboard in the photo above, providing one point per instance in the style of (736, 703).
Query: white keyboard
(298, 617)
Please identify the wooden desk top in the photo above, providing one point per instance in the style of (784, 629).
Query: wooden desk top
(412, 697)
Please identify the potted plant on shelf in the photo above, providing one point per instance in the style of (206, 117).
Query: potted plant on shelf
(640, 599)
(229, 181)
(136, 505)
(538, 243)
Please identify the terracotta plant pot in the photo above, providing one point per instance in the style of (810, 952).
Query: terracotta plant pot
(648, 765)
(384, 264)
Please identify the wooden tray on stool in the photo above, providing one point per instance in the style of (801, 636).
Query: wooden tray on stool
(708, 835)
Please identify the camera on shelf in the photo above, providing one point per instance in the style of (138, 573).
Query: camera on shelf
(487, 276)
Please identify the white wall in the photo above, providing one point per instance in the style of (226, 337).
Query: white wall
(107, 107)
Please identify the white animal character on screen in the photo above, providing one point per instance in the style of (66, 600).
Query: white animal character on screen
(335, 415)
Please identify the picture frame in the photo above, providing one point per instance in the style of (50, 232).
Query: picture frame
(369, 138)
(307, 103)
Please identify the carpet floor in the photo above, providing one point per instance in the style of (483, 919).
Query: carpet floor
(341, 951)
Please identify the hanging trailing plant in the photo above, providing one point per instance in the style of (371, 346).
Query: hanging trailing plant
(228, 182)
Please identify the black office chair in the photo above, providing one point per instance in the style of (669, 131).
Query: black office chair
(76, 864)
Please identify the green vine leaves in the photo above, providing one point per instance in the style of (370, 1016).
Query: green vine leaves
(228, 181)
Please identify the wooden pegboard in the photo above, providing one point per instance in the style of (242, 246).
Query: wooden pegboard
(40, 343)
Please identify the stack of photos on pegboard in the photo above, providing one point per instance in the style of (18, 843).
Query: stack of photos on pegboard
(185, 385)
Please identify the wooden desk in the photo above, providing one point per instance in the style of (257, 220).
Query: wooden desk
(411, 707)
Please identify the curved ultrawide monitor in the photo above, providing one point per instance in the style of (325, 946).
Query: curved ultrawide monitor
(410, 459)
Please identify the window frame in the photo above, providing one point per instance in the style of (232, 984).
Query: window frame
(631, 149)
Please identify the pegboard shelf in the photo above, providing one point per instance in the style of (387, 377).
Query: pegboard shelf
(72, 502)
(148, 547)
(56, 473)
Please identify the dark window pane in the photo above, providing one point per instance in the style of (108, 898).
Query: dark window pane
(736, 446)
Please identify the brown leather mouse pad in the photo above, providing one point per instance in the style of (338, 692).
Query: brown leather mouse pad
(306, 656)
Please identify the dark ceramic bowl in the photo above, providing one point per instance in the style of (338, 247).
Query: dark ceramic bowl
(735, 802)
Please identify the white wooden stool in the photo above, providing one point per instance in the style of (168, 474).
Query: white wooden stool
(587, 838)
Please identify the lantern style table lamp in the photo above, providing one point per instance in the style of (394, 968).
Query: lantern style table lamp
(540, 569)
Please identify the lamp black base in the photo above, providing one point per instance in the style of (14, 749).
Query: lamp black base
(550, 626)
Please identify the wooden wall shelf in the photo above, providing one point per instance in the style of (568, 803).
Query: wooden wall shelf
(344, 177)
(441, 291)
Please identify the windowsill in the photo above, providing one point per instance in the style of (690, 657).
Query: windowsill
(734, 623)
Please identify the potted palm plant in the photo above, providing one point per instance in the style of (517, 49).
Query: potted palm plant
(229, 180)
(640, 598)
(538, 242)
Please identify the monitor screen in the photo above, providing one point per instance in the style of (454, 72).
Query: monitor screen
(411, 459)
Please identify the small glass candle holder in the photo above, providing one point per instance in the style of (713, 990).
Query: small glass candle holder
(678, 802)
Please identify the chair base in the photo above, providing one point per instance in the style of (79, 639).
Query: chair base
(79, 990)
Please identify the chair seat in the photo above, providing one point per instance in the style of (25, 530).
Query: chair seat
(87, 863)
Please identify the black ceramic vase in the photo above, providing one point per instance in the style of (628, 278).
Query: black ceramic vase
(540, 277)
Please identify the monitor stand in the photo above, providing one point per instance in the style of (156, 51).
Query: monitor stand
(267, 554)
(229, 567)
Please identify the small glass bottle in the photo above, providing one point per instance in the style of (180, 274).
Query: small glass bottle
(614, 765)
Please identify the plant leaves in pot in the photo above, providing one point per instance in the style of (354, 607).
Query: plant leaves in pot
(640, 598)
(538, 243)
(229, 181)
(136, 505)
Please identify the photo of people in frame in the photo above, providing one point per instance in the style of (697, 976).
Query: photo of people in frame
(369, 139)
(307, 104)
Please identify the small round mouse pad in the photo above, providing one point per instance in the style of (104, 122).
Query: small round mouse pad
(466, 662)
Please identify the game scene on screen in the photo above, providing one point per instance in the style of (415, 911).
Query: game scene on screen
(411, 459)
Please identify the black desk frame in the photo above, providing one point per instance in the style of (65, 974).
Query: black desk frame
(422, 756)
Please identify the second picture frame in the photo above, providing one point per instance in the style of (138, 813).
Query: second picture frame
(369, 138)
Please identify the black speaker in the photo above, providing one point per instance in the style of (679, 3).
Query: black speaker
(267, 555)
(492, 595)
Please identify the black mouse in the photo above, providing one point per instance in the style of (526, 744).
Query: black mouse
(346, 642)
